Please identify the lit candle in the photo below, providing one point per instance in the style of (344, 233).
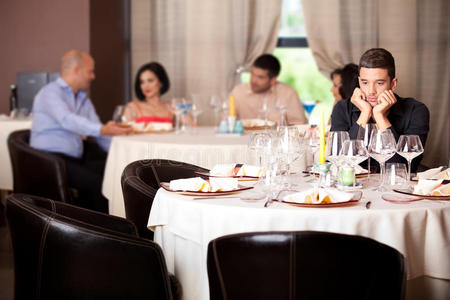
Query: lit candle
(232, 111)
(322, 139)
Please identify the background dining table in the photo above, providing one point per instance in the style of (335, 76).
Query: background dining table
(7, 126)
(184, 226)
(200, 146)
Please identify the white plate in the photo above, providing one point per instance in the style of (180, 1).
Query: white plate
(166, 186)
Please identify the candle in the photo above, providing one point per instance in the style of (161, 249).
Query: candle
(232, 111)
(322, 140)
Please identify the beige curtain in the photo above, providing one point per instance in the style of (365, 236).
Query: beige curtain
(416, 32)
(202, 44)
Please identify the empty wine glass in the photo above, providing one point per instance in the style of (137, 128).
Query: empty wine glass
(215, 104)
(118, 114)
(176, 110)
(282, 108)
(364, 135)
(334, 145)
(288, 146)
(354, 152)
(382, 147)
(264, 109)
(312, 141)
(409, 146)
(258, 142)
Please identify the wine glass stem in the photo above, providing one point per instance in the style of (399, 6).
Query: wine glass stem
(368, 167)
(382, 171)
(409, 171)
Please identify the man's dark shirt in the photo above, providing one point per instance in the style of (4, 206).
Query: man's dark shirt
(407, 116)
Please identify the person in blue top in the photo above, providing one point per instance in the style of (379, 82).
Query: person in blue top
(63, 115)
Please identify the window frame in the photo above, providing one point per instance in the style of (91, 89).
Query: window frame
(292, 42)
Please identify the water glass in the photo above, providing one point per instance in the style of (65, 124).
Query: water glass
(396, 176)
(364, 135)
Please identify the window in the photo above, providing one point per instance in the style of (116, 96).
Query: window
(299, 69)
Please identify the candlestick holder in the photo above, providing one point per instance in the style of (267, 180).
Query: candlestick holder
(324, 174)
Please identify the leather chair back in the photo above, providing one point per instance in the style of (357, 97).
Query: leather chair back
(140, 181)
(303, 265)
(37, 172)
(66, 252)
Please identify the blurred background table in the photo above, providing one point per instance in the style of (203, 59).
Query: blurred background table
(7, 126)
(199, 146)
(419, 230)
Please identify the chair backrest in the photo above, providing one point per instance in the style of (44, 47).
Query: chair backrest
(303, 265)
(62, 252)
(37, 172)
(140, 181)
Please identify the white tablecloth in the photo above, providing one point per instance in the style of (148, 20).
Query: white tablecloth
(6, 127)
(184, 227)
(202, 148)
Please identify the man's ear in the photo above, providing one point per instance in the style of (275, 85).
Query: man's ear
(273, 80)
(394, 84)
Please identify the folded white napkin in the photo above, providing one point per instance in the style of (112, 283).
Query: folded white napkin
(429, 174)
(190, 184)
(222, 184)
(222, 170)
(249, 170)
(319, 196)
(443, 175)
(427, 186)
(158, 126)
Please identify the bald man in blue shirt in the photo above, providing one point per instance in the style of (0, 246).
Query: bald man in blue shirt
(63, 116)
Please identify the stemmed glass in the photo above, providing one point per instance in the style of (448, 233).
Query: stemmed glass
(264, 109)
(118, 114)
(382, 147)
(312, 140)
(309, 106)
(354, 152)
(282, 108)
(334, 145)
(214, 103)
(288, 146)
(185, 106)
(409, 146)
(176, 110)
(259, 141)
(364, 135)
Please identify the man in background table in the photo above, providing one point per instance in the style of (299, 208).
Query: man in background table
(63, 116)
(263, 86)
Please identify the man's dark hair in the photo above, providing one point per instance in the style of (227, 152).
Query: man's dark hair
(159, 71)
(268, 62)
(378, 58)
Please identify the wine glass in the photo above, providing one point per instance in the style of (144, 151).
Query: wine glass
(259, 141)
(334, 145)
(118, 114)
(382, 147)
(264, 109)
(282, 108)
(176, 110)
(312, 141)
(364, 135)
(409, 146)
(214, 103)
(288, 146)
(354, 152)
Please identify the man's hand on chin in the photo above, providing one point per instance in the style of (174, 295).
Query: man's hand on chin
(380, 111)
(359, 100)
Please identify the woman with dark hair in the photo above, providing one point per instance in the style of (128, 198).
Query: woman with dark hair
(151, 82)
(345, 80)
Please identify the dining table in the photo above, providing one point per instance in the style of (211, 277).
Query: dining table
(200, 146)
(183, 226)
(7, 126)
